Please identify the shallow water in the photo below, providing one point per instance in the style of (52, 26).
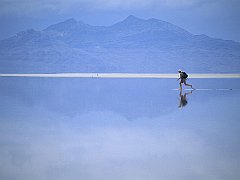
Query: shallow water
(67, 129)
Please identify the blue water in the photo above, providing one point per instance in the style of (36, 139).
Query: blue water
(88, 129)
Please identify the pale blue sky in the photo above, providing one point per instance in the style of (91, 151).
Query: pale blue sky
(216, 18)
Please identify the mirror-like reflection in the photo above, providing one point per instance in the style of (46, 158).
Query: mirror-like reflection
(183, 101)
(67, 129)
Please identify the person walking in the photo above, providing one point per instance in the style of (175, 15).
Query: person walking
(183, 78)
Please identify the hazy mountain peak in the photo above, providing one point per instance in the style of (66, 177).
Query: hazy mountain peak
(134, 25)
(130, 22)
(64, 26)
(132, 17)
(71, 21)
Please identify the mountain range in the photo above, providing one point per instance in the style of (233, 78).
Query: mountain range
(132, 45)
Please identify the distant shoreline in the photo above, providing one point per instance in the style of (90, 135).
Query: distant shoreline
(120, 75)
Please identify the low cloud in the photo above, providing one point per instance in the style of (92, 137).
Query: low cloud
(102, 148)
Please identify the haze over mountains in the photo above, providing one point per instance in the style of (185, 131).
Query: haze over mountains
(132, 45)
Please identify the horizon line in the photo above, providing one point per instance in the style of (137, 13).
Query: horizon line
(122, 75)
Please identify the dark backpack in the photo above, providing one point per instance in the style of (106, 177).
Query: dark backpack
(184, 75)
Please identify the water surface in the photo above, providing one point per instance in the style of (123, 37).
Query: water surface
(88, 129)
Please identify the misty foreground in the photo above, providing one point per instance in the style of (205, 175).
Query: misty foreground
(133, 45)
(88, 129)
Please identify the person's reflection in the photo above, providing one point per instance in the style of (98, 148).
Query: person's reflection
(183, 99)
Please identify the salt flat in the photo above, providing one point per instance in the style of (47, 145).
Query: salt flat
(119, 75)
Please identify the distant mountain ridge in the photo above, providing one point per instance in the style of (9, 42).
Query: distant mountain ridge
(132, 45)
